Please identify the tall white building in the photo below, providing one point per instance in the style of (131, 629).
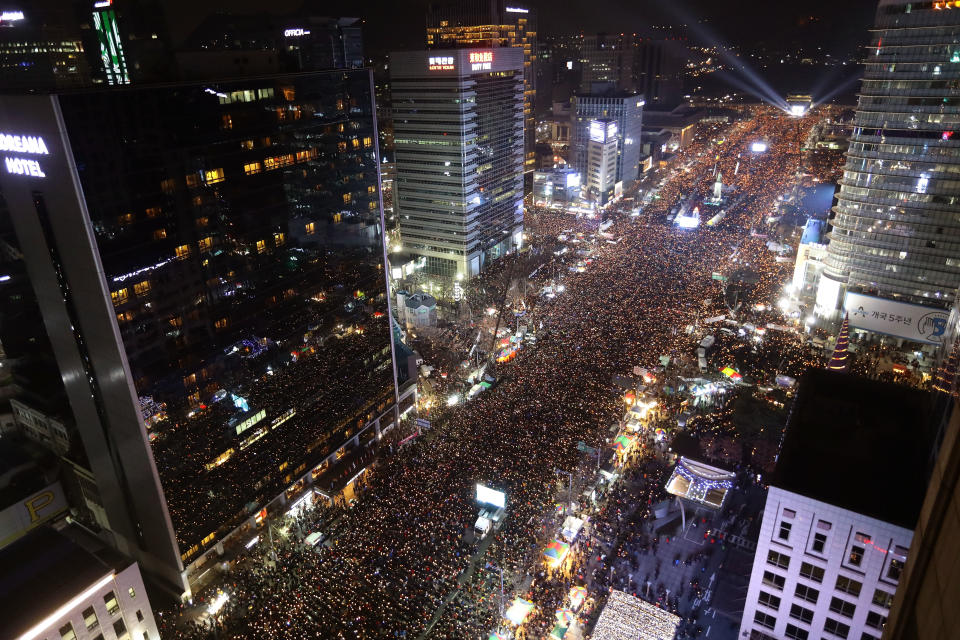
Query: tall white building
(602, 161)
(840, 512)
(458, 129)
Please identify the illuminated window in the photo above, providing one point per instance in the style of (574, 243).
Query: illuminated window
(347, 198)
(287, 159)
(153, 212)
(202, 222)
(342, 146)
(205, 243)
(367, 142)
(159, 234)
(270, 164)
(247, 144)
(371, 205)
(182, 251)
(337, 217)
(125, 219)
(124, 316)
(227, 121)
(267, 142)
(261, 246)
(67, 632)
(251, 168)
(190, 552)
(339, 105)
(355, 142)
(279, 239)
(221, 323)
(132, 592)
(175, 321)
(214, 176)
(197, 201)
(192, 180)
(141, 287)
(288, 93)
(209, 538)
(90, 618)
(119, 297)
(110, 601)
(303, 155)
(283, 466)
(309, 228)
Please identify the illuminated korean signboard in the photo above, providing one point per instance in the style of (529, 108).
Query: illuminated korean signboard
(516, 10)
(481, 60)
(28, 145)
(440, 63)
(296, 33)
(11, 16)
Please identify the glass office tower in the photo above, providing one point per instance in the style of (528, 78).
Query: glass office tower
(209, 261)
(458, 132)
(896, 229)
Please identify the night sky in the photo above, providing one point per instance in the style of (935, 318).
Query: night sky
(839, 26)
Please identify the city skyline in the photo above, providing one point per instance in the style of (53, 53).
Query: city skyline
(475, 319)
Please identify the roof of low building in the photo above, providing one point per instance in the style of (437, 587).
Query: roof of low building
(858, 444)
(41, 572)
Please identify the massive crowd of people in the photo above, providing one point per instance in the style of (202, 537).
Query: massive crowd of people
(401, 563)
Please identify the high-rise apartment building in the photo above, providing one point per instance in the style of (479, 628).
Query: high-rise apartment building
(606, 63)
(492, 23)
(209, 262)
(843, 501)
(626, 109)
(458, 134)
(896, 232)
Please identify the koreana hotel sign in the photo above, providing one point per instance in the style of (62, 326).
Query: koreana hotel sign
(24, 145)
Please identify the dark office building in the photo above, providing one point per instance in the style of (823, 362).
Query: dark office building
(41, 46)
(302, 40)
(209, 263)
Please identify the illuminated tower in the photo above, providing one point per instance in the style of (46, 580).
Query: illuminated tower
(492, 23)
(458, 134)
(895, 227)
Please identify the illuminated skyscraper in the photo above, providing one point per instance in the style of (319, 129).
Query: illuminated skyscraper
(896, 225)
(492, 23)
(458, 135)
(209, 262)
(626, 109)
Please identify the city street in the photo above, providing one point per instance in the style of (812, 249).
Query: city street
(400, 564)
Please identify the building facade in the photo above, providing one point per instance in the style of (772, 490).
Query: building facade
(55, 589)
(492, 23)
(602, 161)
(895, 230)
(41, 46)
(458, 133)
(560, 185)
(209, 262)
(626, 109)
(821, 571)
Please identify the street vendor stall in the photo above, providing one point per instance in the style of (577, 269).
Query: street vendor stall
(519, 610)
(556, 552)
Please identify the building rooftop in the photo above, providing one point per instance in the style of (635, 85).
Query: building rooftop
(858, 444)
(38, 574)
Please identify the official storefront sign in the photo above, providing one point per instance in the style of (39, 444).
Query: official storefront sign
(481, 60)
(27, 145)
(296, 33)
(440, 63)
